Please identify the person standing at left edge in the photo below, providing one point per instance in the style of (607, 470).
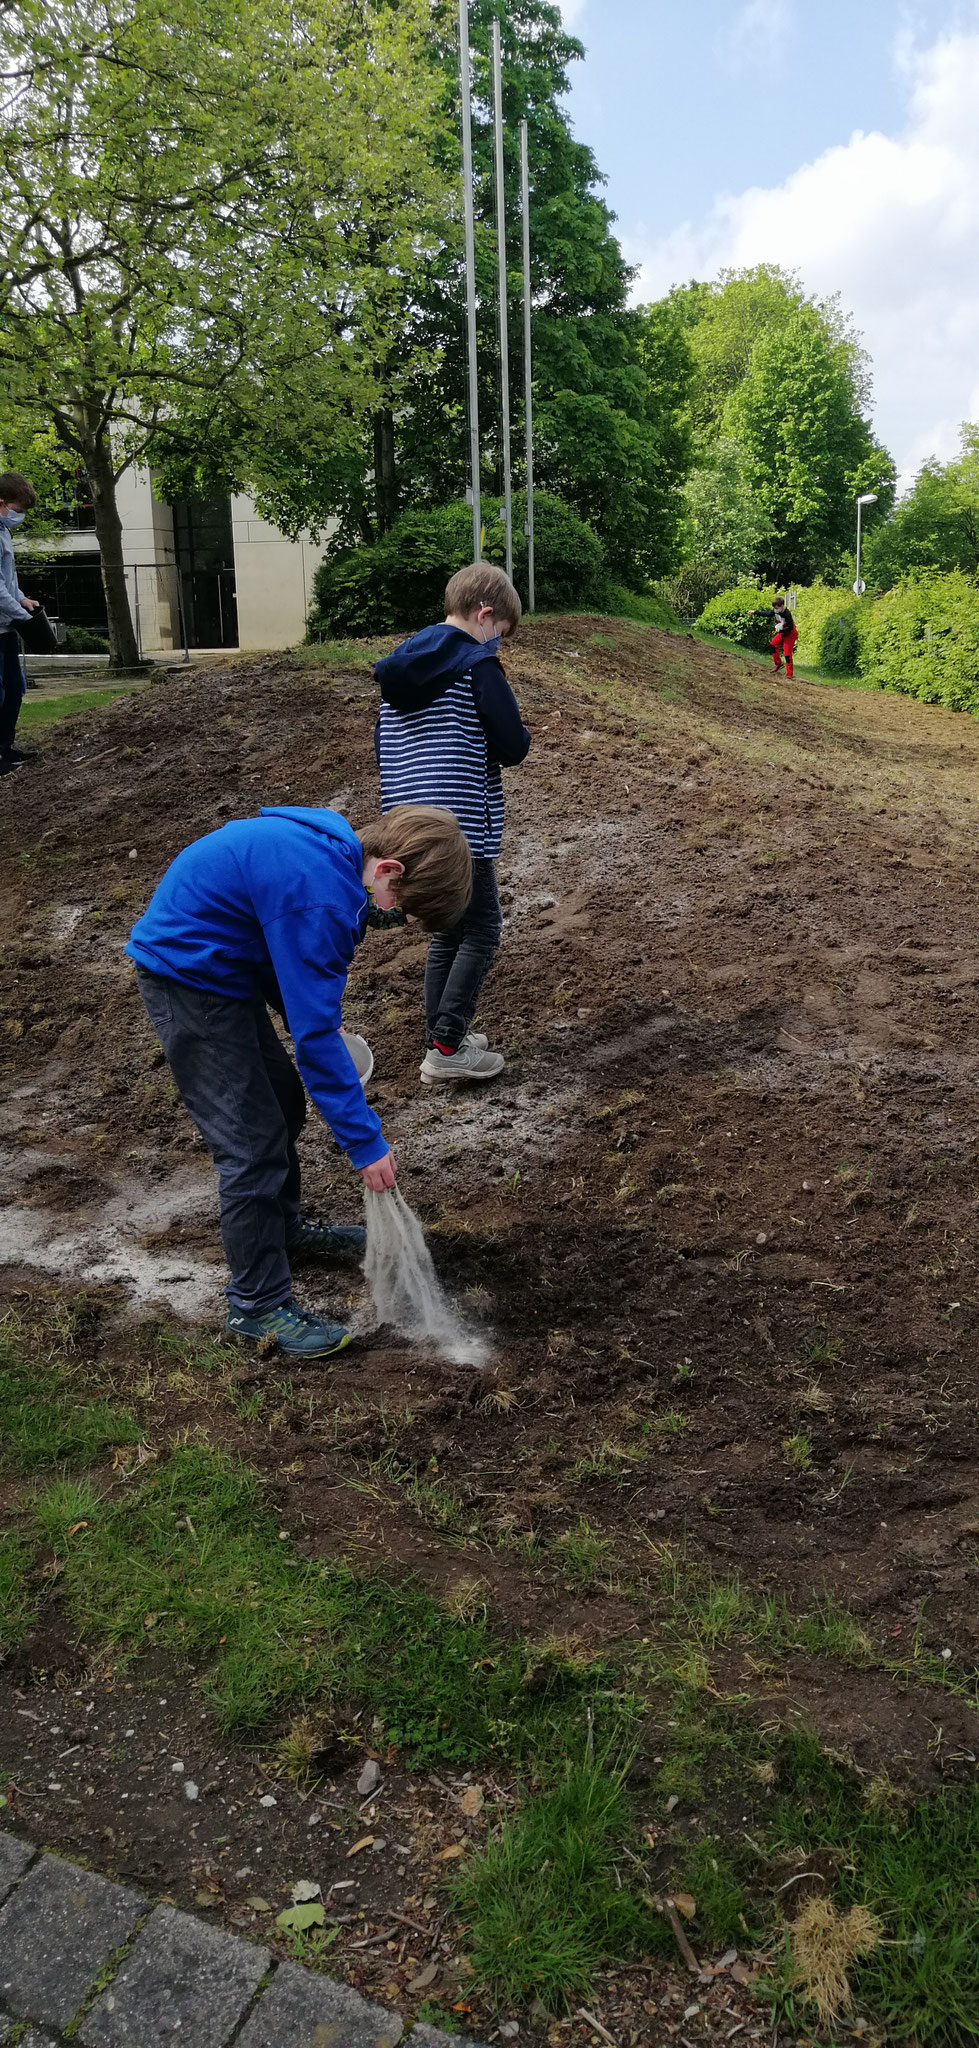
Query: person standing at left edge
(16, 498)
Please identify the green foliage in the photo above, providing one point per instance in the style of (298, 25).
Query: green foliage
(935, 526)
(923, 639)
(542, 1907)
(725, 527)
(178, 183)
(48, 710)
(839, 645)
(741, 616)
(399, 583)
(648, 608)
(784, 378)
(78, 640)
(832, 627)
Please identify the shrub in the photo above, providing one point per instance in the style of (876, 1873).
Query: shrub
(740, 615)
(923, 639)
(839, 645)
(646, 606)
(832, 624)
(692, 587)
(400, 581)
(78, 640)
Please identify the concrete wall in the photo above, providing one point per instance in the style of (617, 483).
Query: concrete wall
(273, 579)
(148, 552)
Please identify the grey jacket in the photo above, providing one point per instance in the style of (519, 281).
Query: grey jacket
(12, 611)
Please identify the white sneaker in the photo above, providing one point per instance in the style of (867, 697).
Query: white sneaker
(477, 1039)
(470, 1063)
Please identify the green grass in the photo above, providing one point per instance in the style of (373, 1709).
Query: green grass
(187, 1555)
(17, 1605)
(45, 1418)
(193, 1548)
(804, 672)
(541, 1904)
(45, 710)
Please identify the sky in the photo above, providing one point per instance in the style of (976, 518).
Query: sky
(839, 138)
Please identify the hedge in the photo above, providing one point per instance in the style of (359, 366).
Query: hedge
(740, 615)
(832, 626)
(923, 639)
(400, 582)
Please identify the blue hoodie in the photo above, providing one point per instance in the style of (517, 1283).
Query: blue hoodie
(275, 898)
(448, 722)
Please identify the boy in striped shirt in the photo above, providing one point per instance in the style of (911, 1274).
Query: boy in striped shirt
(447, 725)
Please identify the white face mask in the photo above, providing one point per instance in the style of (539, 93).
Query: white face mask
(13, 518)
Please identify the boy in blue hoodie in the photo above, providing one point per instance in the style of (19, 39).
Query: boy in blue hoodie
(448, 723)
(270, 910)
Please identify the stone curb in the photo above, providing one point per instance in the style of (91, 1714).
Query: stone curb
(77, 1950)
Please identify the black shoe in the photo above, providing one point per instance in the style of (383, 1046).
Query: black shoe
(9, 764)
(18, 756)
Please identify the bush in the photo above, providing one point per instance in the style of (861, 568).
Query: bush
(740, 615)
(839, 645)
(923, 639)
(646, 607)
(832, 623)
(400, 582)
(78, 640)
(693, 586)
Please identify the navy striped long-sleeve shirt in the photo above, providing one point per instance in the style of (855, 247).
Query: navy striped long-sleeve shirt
(447, 725)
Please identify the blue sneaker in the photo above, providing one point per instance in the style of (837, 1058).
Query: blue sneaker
(327, 1241)
(297, 1334)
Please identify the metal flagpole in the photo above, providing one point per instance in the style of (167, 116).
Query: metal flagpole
(527, 359)
(465, 91)
(501, 252)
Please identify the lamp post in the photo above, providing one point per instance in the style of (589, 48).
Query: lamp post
(869, 498)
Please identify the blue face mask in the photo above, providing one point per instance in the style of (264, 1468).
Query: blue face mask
(13, 518)
(491, 641)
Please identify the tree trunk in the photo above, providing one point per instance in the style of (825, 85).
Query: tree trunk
(123, 645)
(385, 476)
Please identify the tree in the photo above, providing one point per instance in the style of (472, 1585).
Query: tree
(936, 525)
(785, 377)
(176, 180)
(725, 525)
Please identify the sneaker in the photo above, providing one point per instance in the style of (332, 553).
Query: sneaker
(327, 1241)
(18, 755)
(468, 1064)
(297, 1334)
(477, 1039)
(8, 766)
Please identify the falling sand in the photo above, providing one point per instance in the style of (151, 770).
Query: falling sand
(404, 1287)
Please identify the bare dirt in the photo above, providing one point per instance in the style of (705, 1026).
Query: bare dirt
(723, 1202)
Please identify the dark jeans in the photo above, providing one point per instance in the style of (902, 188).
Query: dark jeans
(459, 960)
(11, 689)
(240, 1087)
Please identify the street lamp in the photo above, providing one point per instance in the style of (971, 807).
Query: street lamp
(869, 498)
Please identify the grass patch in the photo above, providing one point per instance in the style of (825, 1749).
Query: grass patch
(44, 1420)
(541, 1903)
(191, 1557)
(47, 710)
(17, 1606)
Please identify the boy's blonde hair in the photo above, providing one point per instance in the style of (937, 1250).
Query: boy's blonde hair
(430, 844)
(483, 583)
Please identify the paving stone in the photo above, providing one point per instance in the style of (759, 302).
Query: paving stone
(14, 1859)
(303, 2010)
(432, 2037)
(56, 1931)
(182, 1981)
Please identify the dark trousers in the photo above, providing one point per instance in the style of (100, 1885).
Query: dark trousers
(459, 960)
(11, 689)
(240, 1087)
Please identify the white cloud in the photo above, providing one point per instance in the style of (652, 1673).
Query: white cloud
(892, 224)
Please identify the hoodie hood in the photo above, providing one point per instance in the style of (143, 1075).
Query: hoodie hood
(327, 824)
(423, 667)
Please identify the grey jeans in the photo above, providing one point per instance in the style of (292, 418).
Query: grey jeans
(240, 1087)
(459, 960)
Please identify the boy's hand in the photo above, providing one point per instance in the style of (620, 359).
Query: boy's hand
(380, 1174)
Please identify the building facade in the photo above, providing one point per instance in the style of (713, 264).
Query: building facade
(206, 573)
